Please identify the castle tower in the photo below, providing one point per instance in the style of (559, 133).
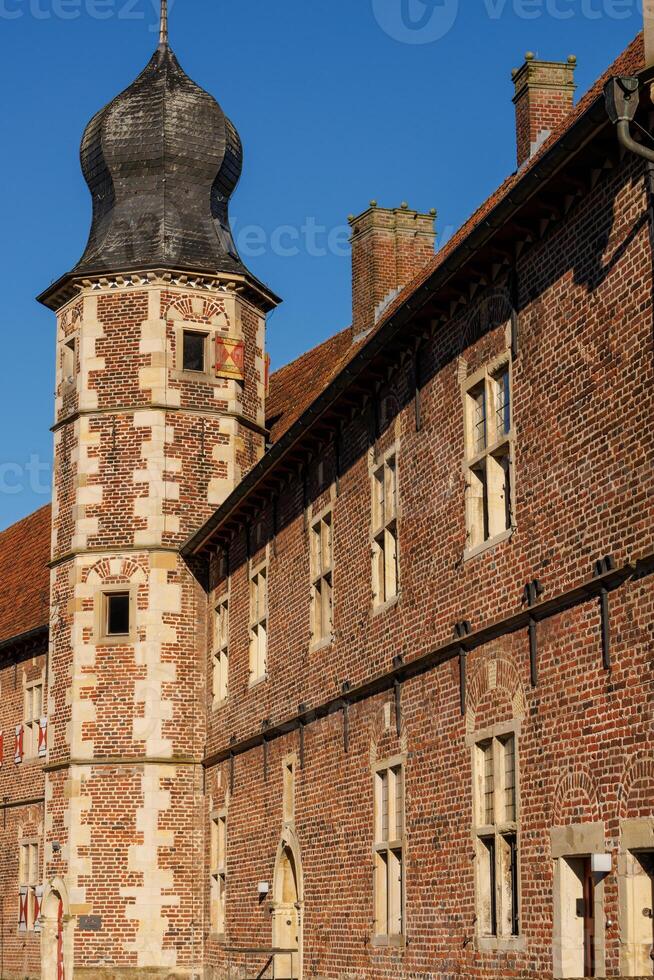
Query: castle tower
(160, 387)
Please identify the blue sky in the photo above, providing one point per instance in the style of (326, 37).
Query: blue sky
(337, 102)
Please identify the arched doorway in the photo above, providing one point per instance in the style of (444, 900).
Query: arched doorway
(55, 934)
(287, 908)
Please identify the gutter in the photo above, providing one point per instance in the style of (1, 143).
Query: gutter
(584, 129)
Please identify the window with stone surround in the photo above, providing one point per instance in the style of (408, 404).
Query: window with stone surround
(221, 651)
(32, 715)
(388, 853)
(194, 351)
(28, 882)
(385, 563)
(321, 579)
(69, 361)
(488, 466)
(495, 830)
(258, 623)
(218, 872)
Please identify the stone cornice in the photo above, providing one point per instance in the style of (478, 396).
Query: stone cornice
(69, 287)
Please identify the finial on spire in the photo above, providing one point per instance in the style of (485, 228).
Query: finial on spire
(163, 30)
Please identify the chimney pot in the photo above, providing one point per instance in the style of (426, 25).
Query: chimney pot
(544, 95)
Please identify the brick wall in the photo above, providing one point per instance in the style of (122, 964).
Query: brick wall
(21, 813)
(583, 412)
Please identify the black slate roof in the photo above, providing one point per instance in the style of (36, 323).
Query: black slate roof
(161, 162)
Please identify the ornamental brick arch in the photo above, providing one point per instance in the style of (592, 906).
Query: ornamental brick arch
(112, 570)
(495, 682)
(636, 788)
(197, 310)
(384, 740)
(576, 798)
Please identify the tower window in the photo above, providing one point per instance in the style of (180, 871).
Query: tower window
(117, 613)
(194, 345)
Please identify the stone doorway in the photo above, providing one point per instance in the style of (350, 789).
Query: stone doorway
(55, 935)
(287, 911)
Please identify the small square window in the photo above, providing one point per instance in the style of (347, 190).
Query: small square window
(117, 614)
(193, 351)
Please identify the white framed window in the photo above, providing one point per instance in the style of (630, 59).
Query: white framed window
(221, 651)
(218, 872)
(28, 882)
(322, 580)
(488, 466)
(258, 623)
(385, 558)
(32, 715)
(495, 831)
(388, 853)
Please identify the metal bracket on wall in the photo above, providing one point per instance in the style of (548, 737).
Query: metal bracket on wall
(397, 663)
(338, 436)
(301, 710)
(345, 687)
(231, 767)
(275, 522)
(265, 725)
(533, 592)
(462, 630)
(602, 567)
(417, 378)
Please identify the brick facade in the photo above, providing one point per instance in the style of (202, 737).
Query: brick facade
(167, 493)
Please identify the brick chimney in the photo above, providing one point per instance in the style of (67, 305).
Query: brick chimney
(544, 95)
(389, 248)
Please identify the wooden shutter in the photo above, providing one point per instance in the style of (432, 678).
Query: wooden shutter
(18, 744)
(38, 899)
(230, 358)
(23, 898)
(43, 732)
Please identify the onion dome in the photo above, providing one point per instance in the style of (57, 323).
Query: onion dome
(161, 162)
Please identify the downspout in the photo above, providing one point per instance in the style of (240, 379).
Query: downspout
(623, 94)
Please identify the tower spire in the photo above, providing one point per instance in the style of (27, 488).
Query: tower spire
(163, 29)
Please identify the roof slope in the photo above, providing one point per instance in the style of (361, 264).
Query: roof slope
(24, 574)
(295, 387)
(303, 379)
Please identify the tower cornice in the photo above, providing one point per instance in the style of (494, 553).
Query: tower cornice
(68, 287)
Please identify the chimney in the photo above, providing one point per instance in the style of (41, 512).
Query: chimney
(389, 248)
(544, 95)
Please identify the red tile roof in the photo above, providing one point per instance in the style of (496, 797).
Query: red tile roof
(304, 378)
(24, 575)
(295, 387)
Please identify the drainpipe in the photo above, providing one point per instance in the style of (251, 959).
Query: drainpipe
(622, 95)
